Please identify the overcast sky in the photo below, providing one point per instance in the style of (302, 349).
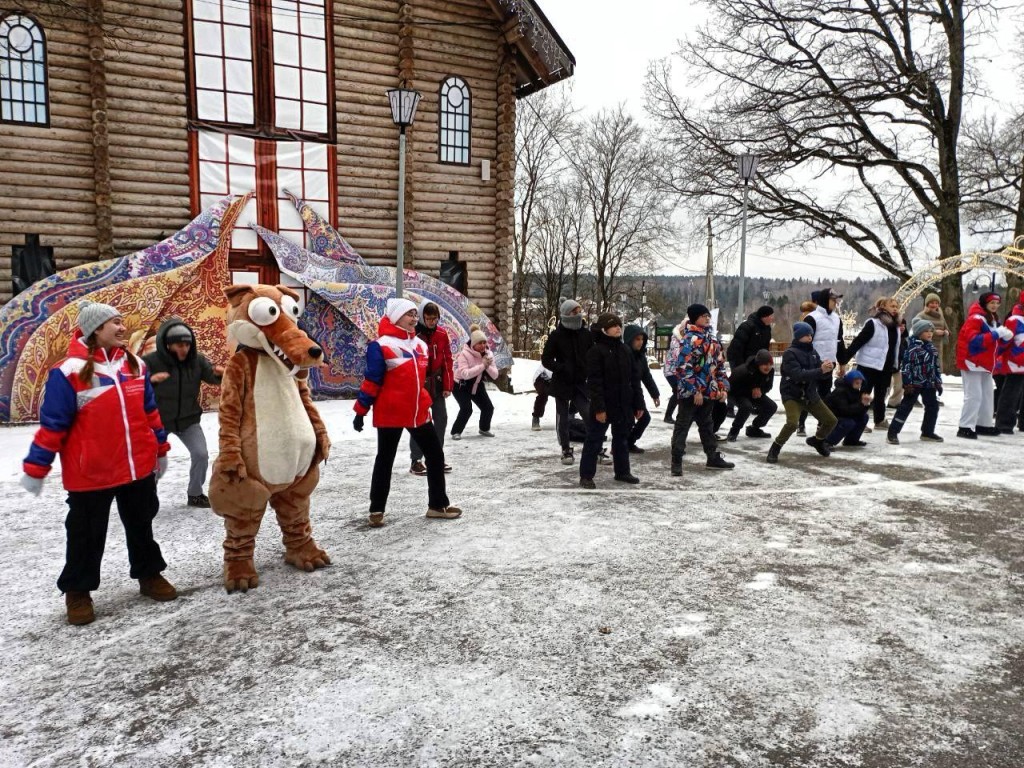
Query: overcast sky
(613, 43)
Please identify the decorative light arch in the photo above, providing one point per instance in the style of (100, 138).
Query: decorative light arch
(1009, 260)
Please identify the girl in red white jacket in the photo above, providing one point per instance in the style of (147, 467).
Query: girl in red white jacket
(393, 385)
(976, 347)
(472, 362)
(99, 413)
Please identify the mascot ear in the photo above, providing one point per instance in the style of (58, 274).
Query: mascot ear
(236, 293)
(287, 291)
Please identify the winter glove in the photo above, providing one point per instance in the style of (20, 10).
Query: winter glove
(161, 467)
(357, 423)
(1004, 333)
(33, 485)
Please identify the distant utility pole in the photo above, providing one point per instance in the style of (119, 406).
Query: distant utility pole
(709, 278)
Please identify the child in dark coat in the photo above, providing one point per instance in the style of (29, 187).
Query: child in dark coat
(636, 342)
(613, 388)
(851, 407)
(922, 376)
(749, 386)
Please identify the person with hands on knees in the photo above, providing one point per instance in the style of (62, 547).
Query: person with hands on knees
(613, 387)
(802, 370)
(700, 371)
(636, 342)
(749, 385)
(976, 348)
(440, 379)
(100, 414)
(393, 386)
(176, 370)
(922, 376)
(851, 407)
(473, 361)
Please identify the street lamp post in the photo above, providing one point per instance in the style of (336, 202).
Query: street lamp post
(403, 111)
(746, 164)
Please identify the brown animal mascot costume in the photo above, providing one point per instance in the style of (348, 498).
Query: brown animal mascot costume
(271, 436)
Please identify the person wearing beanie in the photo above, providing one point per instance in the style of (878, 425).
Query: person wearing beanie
(850, 406)
(636, 343)
(976, 348)
(1010, 367)
(616, 400)
(565, 354)
(473, 362)
(827, 330)
(177, 370)
(394, 386)
(752, 335)
(802, 369)
(700, 372)
(749, 385)
(440, 379)
(877, 351)
(932, 312)
(922, 377)
(100, 414)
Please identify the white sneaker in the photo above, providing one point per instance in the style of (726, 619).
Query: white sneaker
(457, 436)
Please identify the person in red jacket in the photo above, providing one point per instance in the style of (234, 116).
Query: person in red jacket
(976, 358)
(393, 385)
(99, 413)
(440, 379)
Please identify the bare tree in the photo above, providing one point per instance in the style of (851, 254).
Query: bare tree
(854, 108)
(993, 169)
(543, 121)
(615, 164)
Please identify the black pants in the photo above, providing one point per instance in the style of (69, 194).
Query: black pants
(877, 384)
(1009, 401)
(638, 428)
(541, 401)
(465, 397)
(931, 411)
(595, 438)
(673, 400)
(688, 414)
(86, 524)
(387, 446)
(580, 403)
(719, 413)
(763, 406)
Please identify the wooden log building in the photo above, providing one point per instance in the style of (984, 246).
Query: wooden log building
(121, 119)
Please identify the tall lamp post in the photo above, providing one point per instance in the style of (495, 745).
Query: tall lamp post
(747, 166)
(403, 111)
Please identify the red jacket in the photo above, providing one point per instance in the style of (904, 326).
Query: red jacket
(977, 341)
(1010, 354)
(439, 357)
(396, 368)
(107, 431)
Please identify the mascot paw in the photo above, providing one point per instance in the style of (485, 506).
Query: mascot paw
(308, 558)
(240, 575)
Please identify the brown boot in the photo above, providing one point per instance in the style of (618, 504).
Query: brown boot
(79, 605)
(158, 588)
(448, 513)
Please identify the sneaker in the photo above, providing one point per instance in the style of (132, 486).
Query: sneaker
(486, 433)
(967, 433)
(757, 432)
(158, 588)
(567, 457)
(891, 406)
(79, 608)
(854, 443)
(669, 419)
(636, 449)
(716, 461)
(418, 468)
(376, 520)
(447, 467)
(867, 430)
(1005, 431)
(731, 437)
(883, 424)
(448, 513)
(631, 479)
(603, 457)
(456, 435)
(932, 438)
(801, 432)
(987, 431)
(535, 424)
(892, 439)
(202, 501)
(588, 483)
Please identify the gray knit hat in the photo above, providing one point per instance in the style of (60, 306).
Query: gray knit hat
(565, 309)
(919, 326)
(178, 332)
(92, 314)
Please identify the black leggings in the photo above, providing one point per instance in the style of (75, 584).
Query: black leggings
(465, 397)
(387, 446)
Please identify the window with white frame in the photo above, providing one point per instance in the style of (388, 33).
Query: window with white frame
(454, 117)
(23, 87)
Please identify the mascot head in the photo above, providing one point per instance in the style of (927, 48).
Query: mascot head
(263, 317)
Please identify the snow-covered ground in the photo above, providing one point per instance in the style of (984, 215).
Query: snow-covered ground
(861, 610)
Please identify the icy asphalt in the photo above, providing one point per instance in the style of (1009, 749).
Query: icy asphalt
(863, 610)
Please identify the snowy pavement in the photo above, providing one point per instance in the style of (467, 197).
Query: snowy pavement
(861, 610)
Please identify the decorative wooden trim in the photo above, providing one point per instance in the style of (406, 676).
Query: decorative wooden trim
(505, 174)
(100, 132)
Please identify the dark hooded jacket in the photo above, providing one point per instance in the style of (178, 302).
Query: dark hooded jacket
(845, 401)
(801, 371)
(613, 383)
(178, 397)
(747, 377)
(565, 355)
(643, 369)
(751, 336)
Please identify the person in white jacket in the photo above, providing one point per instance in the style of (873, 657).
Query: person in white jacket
(472, 362)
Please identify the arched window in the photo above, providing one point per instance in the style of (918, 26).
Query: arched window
(22, 71)
(454, 115)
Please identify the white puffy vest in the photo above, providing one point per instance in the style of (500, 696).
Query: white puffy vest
(826, 333)
(873, 353)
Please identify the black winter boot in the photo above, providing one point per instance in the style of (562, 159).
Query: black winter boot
(819, 445)
(757, 432)
(677, 466)
(716, 461)
(733, 434)
(773, 453)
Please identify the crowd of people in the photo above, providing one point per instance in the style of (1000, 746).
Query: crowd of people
(108, 412)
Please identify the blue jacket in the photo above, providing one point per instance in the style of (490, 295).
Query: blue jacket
(920, 365)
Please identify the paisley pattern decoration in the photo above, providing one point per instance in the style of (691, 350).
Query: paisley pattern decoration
(324, 238)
